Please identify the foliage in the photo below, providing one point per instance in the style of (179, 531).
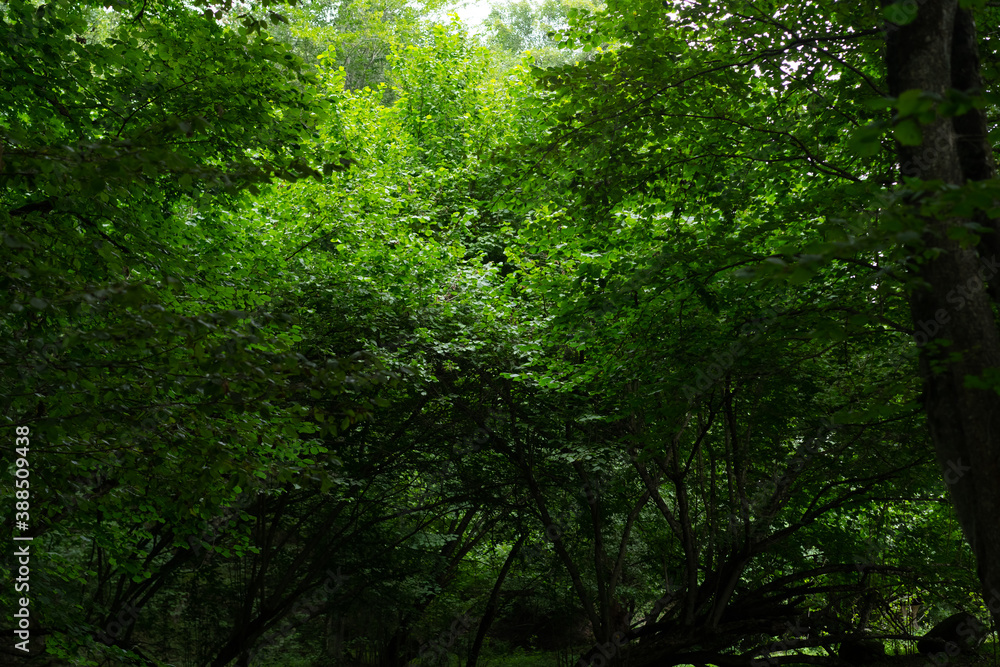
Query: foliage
(358, 35)
(517, 27)
(386, 358)
(142, 342)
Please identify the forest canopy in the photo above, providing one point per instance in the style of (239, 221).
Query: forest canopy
(638, 333)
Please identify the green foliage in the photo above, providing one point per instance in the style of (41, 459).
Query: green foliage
(144, 340)
(357, 35)
(516, 27)
(444, 103)
(578, 338)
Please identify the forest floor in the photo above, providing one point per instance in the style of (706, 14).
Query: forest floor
(981, 660)
(984, 659)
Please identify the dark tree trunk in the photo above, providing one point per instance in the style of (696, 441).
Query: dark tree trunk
(491, 606)
(935, 53)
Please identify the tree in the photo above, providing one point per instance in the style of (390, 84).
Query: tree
(645, 130)
(522, 26)
(141, 345)
(948, 176)
(358, 35)
(316, 372)
(203, 374)
(691, 443)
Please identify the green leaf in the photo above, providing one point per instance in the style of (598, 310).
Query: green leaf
(866, 140)
(908, 132)
(908, 102)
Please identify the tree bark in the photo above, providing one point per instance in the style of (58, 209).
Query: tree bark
(934, 53)
(492, 605)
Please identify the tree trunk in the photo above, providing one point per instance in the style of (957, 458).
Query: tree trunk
(492, 604)
(935, 53)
